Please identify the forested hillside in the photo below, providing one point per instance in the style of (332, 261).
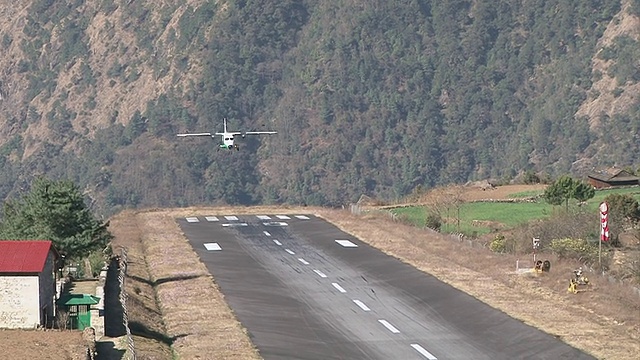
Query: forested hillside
(369, 97)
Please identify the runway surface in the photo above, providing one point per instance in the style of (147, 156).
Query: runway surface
(306, 290)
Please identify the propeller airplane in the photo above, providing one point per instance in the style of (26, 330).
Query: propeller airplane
(228, 137)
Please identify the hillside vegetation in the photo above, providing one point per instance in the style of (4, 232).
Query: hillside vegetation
(368, 97)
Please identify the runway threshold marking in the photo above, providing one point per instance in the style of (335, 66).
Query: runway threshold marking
(267, 233)
(346, 243)
(263, 217)
(340, 288)
(289, 251)
(320, 273)
(277, 242)
(389, 326)
(362, 305)
(283, 217)
(303, 261)
(212, 218)
(231, 218)
(423, 352)
(302, 217)
(212, 246)
(192, 219)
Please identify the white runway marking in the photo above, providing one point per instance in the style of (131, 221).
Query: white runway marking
(283, 217)
(423, 352)
(212, 246)
(231, 218)
(211, 218)
(346, 243)
(362, 305)
(320, 273)
(303, 261)
(192, 219)
(275, 223)
(267, 233)
(289, 251)
(302, 217)
(236, 224)
(340, 288)
(389, 326)
(277, 242)
(263, 217)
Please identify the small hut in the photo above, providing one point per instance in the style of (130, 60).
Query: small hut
(78, 308)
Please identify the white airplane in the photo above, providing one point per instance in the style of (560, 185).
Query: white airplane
(228, 137)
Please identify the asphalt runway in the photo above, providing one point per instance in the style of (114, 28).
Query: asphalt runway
(303, 289)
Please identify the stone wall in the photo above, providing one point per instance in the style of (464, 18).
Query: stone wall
(47, 284)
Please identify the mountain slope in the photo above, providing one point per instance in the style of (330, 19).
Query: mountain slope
(370, 97)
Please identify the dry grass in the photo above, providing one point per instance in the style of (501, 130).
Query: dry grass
(141, 305)
(604, 322)
(45, 345)
(591, 321)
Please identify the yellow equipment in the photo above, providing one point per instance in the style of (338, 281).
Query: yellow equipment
(578, 283)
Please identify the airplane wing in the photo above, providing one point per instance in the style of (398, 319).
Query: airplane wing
(196, 134)
(260, 132)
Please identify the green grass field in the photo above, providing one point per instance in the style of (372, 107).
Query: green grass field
(508, 214)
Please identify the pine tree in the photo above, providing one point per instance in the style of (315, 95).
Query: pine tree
(56, 211)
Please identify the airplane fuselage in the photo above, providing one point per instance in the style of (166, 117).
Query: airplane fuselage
(227, 142)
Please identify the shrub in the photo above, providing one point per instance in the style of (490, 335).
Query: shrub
(433, 221)
(502, 245)
(498, 244)
(578, 249)
(531, 178)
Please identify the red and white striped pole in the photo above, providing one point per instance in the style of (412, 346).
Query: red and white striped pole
(604, 229)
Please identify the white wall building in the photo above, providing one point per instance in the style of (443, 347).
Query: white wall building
(27, 283)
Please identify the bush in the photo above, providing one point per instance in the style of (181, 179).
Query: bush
(531, 178)
(433, 221)
(502, 245)
(498, 244)
(578, 249)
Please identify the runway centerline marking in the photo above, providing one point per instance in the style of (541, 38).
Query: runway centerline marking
(277, 242)
(231, 218)
(283, 217)
(289, 251)
(192, 219)
(267, 233)
(346, 243)
(212, 246)
(362, 305)
(275, 223)
(423, 352)
(320, 273)
(340, 288)
(235, 224)
(212, 218)
(389, 326)
(303, 261)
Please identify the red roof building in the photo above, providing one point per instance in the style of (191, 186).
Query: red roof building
(23, 256)
(27, 283)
